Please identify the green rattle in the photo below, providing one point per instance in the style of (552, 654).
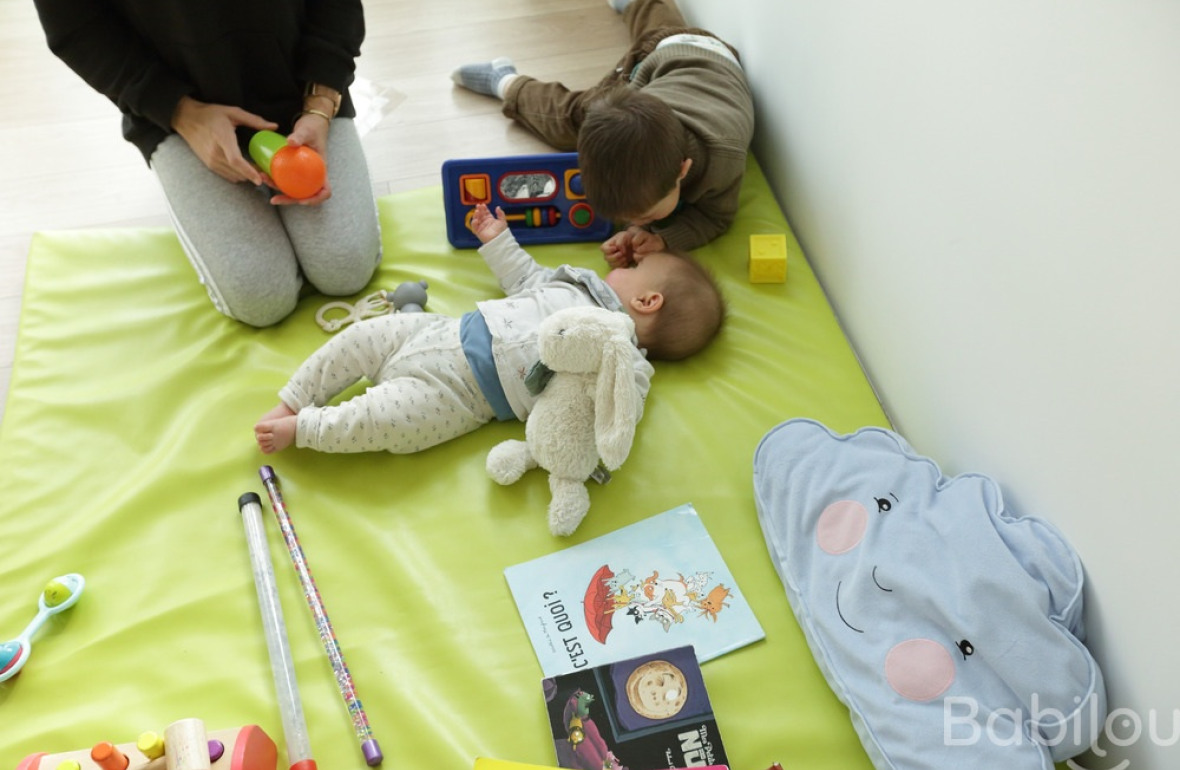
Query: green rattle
(297, 171)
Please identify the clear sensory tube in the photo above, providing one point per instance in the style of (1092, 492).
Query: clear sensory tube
(281, 664)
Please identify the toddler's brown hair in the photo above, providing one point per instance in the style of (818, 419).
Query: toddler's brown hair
(630, 149)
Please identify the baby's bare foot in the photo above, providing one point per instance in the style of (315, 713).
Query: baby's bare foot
(275, 435)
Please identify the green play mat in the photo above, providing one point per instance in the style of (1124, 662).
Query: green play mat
(127, 441)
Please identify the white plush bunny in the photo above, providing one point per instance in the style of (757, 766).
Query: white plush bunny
(586, 413)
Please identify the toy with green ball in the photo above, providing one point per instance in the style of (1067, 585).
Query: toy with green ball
(297, 171)
(59, 595)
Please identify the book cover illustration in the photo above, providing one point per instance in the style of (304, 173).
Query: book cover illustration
(649, 586)
(643, 713)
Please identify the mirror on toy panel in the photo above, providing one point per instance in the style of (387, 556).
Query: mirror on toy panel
(530, 185)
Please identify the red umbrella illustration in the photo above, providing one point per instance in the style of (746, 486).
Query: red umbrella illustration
(599, 605)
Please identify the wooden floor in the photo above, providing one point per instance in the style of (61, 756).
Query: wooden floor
(65, 165)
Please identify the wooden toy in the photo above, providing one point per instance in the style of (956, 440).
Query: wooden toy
(541, 195)
(185, 746)
(768, 258)
(298, 171)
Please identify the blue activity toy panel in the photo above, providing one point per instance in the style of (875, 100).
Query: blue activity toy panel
(541, 195)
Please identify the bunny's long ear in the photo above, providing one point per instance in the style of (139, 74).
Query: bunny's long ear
(616, 407)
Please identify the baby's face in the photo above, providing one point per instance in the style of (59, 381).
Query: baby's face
(648, 274)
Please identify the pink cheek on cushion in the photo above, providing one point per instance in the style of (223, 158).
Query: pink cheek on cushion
(919, 669)
(841, 526)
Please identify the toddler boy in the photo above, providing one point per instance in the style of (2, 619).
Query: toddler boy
(661, 140)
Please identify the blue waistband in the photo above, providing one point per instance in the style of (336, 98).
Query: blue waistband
(476, 340)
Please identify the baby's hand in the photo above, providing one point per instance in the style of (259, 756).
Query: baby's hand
(485, 226)
(616, 250)
(646, 242)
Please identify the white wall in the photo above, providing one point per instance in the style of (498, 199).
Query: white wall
(990, 193)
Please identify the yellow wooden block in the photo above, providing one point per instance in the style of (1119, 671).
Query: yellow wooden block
(768, 258)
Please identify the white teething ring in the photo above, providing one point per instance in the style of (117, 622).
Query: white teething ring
(372, 305)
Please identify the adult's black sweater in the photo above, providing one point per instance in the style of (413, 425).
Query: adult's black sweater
(144, 55)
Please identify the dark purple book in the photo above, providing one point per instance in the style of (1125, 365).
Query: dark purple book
(644, 713)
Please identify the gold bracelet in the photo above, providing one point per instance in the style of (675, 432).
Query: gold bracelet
(312, 89)
(321, 113)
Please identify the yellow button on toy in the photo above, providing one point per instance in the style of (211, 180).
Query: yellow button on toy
(151, 745)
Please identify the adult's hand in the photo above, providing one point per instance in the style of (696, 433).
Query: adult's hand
(209, 130)
(310, 131)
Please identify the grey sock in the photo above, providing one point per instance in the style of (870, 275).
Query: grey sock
(485, 76)
(619, 5)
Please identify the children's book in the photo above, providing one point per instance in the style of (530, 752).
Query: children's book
(652, 585)
(643, 713)
(486, 763)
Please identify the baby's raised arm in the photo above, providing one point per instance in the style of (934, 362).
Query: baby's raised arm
(485, 226)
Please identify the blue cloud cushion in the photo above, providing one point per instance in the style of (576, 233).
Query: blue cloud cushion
(950, 626)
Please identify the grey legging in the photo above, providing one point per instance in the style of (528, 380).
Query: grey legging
(251, 256)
